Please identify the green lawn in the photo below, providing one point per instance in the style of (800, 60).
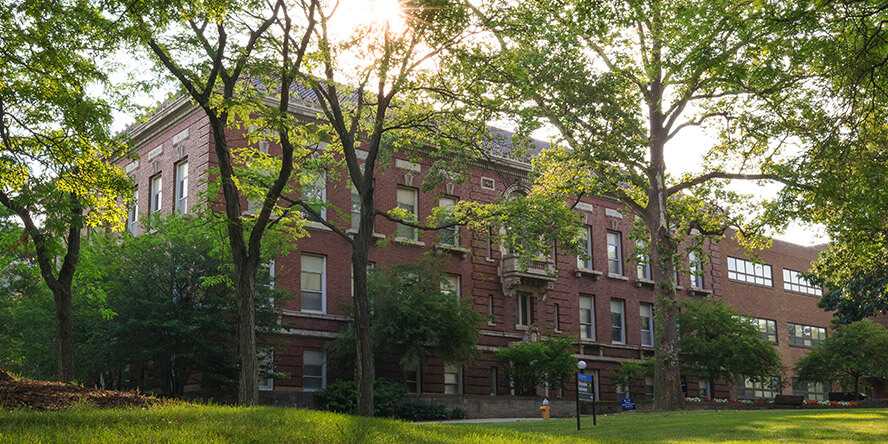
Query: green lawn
(201, 424)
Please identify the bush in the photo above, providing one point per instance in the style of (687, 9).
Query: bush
(342, 397)
(423, 411)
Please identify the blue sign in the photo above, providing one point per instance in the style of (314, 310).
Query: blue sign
(585, 387)
(582, 377)
(627, 404)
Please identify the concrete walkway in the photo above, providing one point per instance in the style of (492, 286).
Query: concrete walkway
(480, 421)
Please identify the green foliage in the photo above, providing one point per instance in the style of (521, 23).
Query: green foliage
(342, 397)
(629, 372)
(412, 317)
(162, 301)
(853, 351)
(531, 364)
(717, 344)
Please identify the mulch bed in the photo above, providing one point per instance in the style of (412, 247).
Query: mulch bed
(45, 395)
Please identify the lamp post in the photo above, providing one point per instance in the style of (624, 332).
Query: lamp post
(588, 383)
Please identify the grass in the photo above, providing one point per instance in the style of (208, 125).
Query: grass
(183, 423)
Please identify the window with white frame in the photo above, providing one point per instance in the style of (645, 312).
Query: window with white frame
(314, 194)
(155, 193)
(407, 201)
(695, 266)
(643, 267)
(493, 379)
(618, 321)
(767, 388)
(747, 271)
(557, 317)
(705, 388)
(355, 209)
(805, 335)
(450, 285)
(413, 377)
(812, 390)
(450, 235)
(614, 253)
(524, 311)
(793, 281)
(766, 327)
(452, 379)
(132, 217)
(646, 313)
(265, 360)
(491, 315)
(313, 282)
(181, 187)
(488, 183)
(587, 318)
(584, 259)
(314, 370)
(488, 244)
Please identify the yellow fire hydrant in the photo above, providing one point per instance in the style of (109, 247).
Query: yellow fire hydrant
(545, 410)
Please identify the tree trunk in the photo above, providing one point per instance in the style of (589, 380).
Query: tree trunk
(667, 377)
(248, 387)
(364, 347)
(64, 332)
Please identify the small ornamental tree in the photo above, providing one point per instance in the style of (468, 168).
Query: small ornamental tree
(629, 372)
(852, 353)
(414, 315)
(716, 344)
(532, 364)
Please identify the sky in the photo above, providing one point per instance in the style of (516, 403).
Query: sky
(684, 153)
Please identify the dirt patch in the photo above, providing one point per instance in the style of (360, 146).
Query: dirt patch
(45, 395)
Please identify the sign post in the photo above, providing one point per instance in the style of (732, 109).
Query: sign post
(585, 392)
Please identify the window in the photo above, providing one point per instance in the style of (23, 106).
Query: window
(413, 377)
(450, 235)
(132, 216)
(314, 194)
(494, 380)
(587, 318)
(584, 259)
(265, 358)
(313, 283)
(618, 321)
(643, 267)
(355, 209)
(488, 183)
(452, 380)
(764, 389)
(314, 370)
(557, 320)
(614, 253)
(815, 391)
(646, 312)
(524, 312)
(805, 335)
(705, 389)
(491, 315)
(155, 193)
(793, 281)
(407, 202)
(489, 244)
(751, 272)
(695, 266)
(263, 146)
(450, 285)
(766, 327)
(181, 187)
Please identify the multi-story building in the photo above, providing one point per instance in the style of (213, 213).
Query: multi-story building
(605, 302)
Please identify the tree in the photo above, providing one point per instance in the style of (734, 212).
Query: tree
(548, 362)
(55, 141)
(232, 58)
(378, 96)
(846, 188)
(631, 371)
(854, 351)
(716, 344)
(414, 316)
(618, 81)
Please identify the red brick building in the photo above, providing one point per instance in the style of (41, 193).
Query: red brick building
(605, 304)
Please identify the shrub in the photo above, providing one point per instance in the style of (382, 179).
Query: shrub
(423, 411)
(342, 397)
